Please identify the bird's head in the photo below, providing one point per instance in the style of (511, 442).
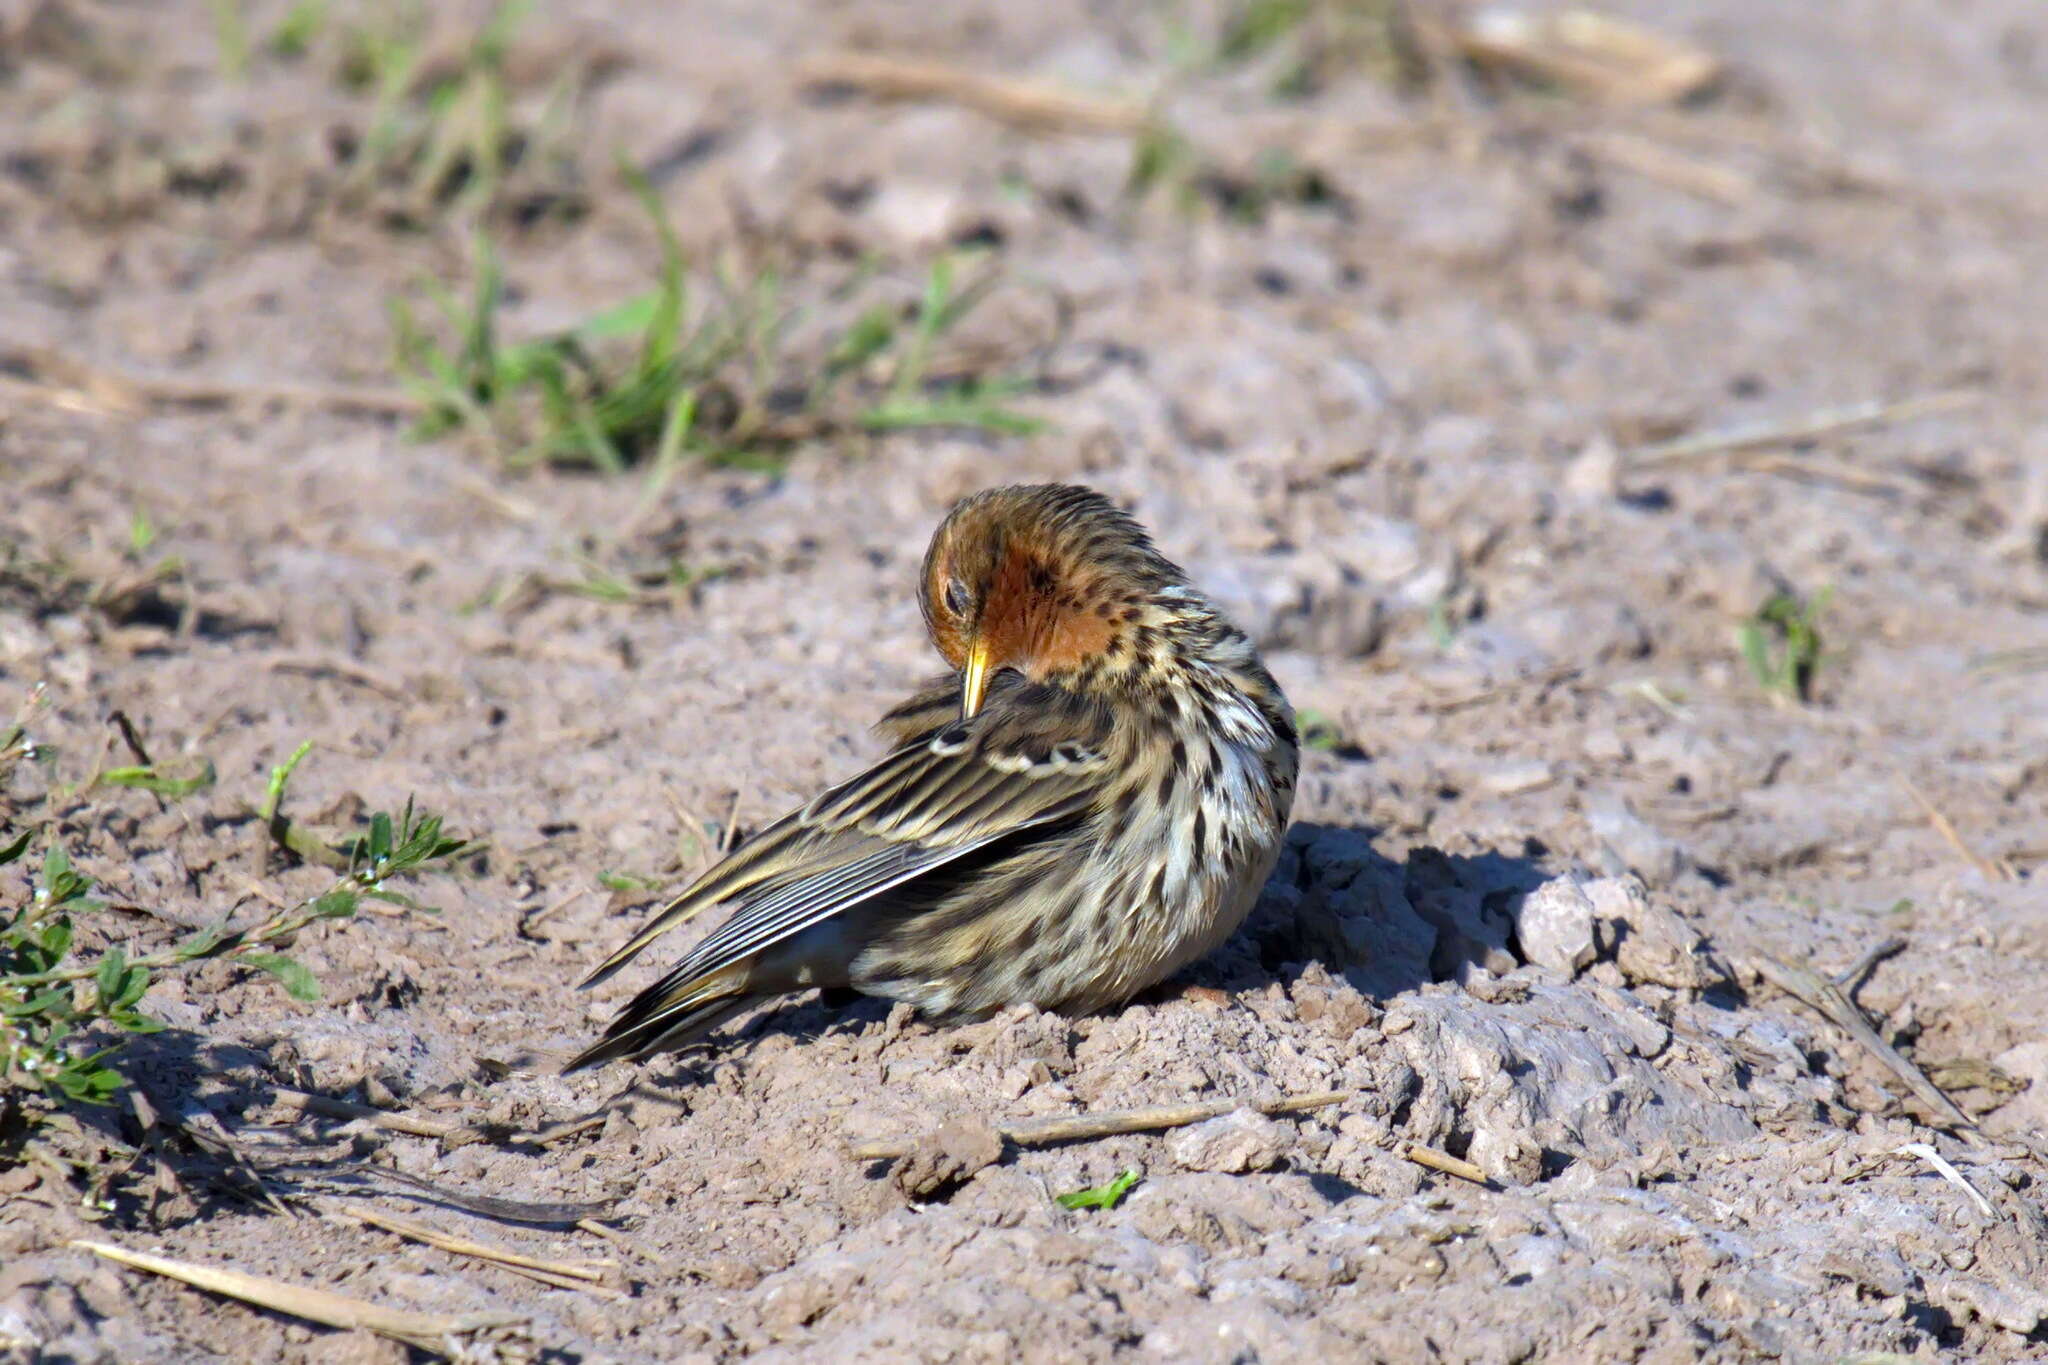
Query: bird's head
(1049, 580)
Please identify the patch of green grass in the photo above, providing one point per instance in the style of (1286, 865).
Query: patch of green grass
(66, 1007)
(1100, 1196)
(1259, 24)
(1442, 633)
(660, 583)
(1311, 45)
(1162, 158)
(2011, 661)
(439, 143)
(1165, 161)
(1306, 46)
(128, 587)
(172, 781)
(679, 372)
(141, 533)
(231, 37)
(294, 35)
(576, 409)
(437, 133)
(1317, 730)
(1782, 644)
(1323, 733)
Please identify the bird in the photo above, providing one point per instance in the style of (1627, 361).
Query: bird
(1088, 801)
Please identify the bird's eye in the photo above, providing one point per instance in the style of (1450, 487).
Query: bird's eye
(957, 600)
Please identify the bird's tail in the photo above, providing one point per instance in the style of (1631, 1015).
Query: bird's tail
(672, 1013)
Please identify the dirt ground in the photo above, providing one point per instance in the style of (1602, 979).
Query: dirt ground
(1386, 361)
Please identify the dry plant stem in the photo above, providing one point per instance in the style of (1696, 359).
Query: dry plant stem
(504, 504)
(1073, 1128)
(542, 915)
(561, 1274)
(2011, 661)
(1701, 179)
(1988, 869)
(1605, 59)
(729, 835)
(611, 1235)
(1948, 1172)
(1442, 1161)
(336, 666)
(69, 382)
(131, 739)
(615, 1237)
(297, 839)
(1825, 422)
(1023, 104)
(1810, 469)
(428, 1331)
(1828, 997)
(454, 1134)
(562, 1131)
(1852, 976)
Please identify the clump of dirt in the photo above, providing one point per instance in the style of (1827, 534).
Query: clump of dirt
(1500, 418)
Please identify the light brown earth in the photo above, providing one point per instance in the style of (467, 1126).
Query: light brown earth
(1389, 420)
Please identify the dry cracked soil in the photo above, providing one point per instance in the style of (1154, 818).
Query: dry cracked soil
(1497, 411)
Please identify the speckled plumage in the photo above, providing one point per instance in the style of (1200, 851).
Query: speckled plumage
(1091, 800)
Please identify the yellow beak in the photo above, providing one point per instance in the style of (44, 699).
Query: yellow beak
(974, 679)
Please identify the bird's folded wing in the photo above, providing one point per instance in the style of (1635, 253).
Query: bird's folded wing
(1011, 768)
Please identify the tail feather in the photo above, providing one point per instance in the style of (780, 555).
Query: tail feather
(671, 1014)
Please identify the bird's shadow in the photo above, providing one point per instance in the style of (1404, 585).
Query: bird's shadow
(182, 1094)
(1386, 926)
(1333, 900)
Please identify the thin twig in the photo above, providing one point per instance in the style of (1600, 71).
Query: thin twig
(548, 912)
(1827, 996)
(729, 835)
(1993, 871)
(1849, 977)
(391, 1180)
(131, 739)
(431, 1332)
(1075, 1127)
(2011, 661)
(498, 500)
(1653, 161)
(206, 1132)
(1940, 1163)
(69, 382)
(561, 1274)
(701, 843)
(1611, 60)
(615, 1237)
(1649, 690)
(1423, 1155)
(1022, 104)
(259, 891)
(455, 1134)
(1813, 426)
(570, 1128)
(1812, 469)
(336, 666)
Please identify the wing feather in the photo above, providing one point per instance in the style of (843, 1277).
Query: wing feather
(762, 923)
(917, 809)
